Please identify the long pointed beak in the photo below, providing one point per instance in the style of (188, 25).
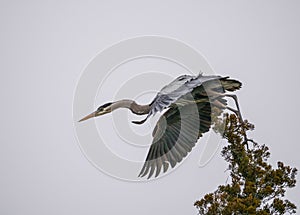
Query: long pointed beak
(88, 116)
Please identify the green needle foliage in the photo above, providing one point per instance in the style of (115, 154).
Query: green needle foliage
(256, 187)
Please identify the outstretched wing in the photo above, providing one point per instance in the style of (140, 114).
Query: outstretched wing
(187, 119)
(175, 135)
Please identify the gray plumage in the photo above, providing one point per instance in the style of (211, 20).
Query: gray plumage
(188, 101)
(180, 86)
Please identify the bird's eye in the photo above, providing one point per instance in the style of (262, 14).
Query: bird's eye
(104, 106)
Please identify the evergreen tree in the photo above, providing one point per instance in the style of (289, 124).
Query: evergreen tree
(256, 187)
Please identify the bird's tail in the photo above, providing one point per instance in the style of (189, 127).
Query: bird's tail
(230, 84)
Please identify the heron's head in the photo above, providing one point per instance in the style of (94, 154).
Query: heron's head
(103, 109)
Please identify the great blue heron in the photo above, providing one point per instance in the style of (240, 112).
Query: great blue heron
(189, 101)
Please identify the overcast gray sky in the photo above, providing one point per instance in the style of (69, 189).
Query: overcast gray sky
(45, 47)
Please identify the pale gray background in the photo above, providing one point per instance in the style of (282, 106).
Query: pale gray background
(45, 45)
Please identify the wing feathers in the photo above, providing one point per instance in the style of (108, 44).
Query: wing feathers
(186, 120)
(179, 137)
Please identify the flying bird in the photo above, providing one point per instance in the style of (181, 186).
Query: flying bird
(189, 102)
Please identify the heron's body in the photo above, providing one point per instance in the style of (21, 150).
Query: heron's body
(189, 101)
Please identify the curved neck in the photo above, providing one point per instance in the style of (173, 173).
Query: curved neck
(131, 105)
